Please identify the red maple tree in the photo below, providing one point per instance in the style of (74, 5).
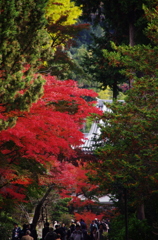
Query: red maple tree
(50, 131)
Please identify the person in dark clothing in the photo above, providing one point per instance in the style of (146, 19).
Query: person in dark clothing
(33, 232)
(83, 224)
(84, 229)
(45, 230)
(100, 231)
(63, 230)
(71, 229)
(51, 235)
(23, 231)
(92, 225)
(94, 234)
(59, 231)
(16, 232)
(77, 234)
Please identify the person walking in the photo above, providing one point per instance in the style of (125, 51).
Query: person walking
(45, 230)
(16, 232)
(100, 232)
(51, 235)
(94, 234)
(92, 225)
(27, 236)
(77, 234)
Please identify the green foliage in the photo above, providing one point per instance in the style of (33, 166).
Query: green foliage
(77, 54)
(130, 133)
(59, 209)
(127, 158)
(6, 226)
(87, 125)
(117, 16)
(137, 230)
(105, 235)
(66, 218)
(99, 67)
(126, 27)
(23, 49)
(151, 15)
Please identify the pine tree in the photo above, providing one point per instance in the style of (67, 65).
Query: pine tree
(123, 22)
(128, 157)
(23, 48)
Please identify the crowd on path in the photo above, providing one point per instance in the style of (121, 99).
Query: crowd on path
(28, 232)
(78, 230)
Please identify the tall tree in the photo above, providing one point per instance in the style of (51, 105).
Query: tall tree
(95, 63)
(24, 41)
(128, 157)
(48, 133)
(63, 26)
(124, 19)
(123, 22)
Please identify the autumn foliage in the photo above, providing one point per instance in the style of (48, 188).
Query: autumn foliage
(43, 136)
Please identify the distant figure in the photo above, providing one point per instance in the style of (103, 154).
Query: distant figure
(16, 232)
(72, 226)
(71, 229)
(27, 236)
(45, 230)
(63, 230)
(92, 225)
(94, 234)
(97, 222)
(83, 224)
(59, 231)
(84, 229)
(33, 232)
(100, 231)
(100, 103)
(77, 234)
(55, 223)
(51, 235)
(23, 231)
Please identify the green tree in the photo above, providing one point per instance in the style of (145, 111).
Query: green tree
(99, 67)
(128, 157)
(63, 26)
(59, 208)
(122, 22)
(6, 226)
(124, 19)
(23, 48)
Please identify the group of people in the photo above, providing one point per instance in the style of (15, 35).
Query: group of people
(98, 229)
(78, 230)
(28, 232)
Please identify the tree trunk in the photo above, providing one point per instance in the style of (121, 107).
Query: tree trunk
(141, 212)
(115, 90)
(131, 34)
(39, 207)
(131, 18)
